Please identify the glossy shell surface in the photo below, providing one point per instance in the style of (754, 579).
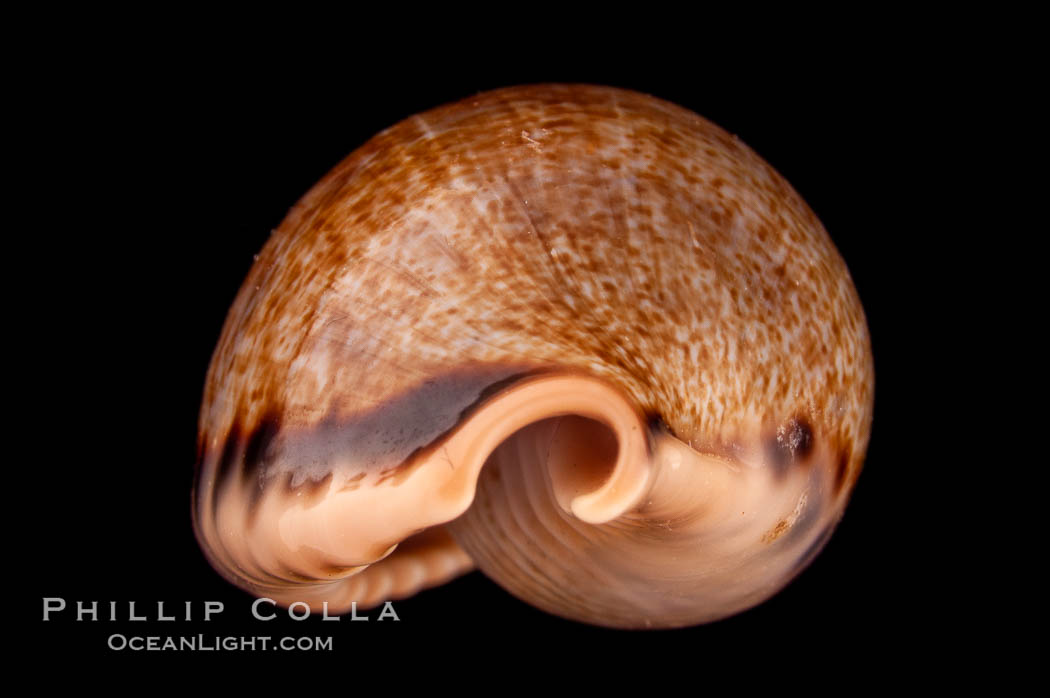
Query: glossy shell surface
(525, 239)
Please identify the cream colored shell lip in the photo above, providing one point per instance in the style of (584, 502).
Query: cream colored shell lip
(574, 335)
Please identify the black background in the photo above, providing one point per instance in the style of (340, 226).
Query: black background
(163, 172)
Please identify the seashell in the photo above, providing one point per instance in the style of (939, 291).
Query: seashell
(576, 336)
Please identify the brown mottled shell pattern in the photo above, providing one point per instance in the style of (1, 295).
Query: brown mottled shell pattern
(538, 264)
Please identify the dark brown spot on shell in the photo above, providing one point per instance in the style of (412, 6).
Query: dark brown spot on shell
(311, 492)
(655, 423)
(776, 531)
(253, 468)
(792, 443)
(255, 451)
(353, 482)
(228, 459)
(228, 465)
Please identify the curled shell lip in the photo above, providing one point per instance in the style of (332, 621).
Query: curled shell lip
(604, 469)
(441, 492)
(737, 327)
